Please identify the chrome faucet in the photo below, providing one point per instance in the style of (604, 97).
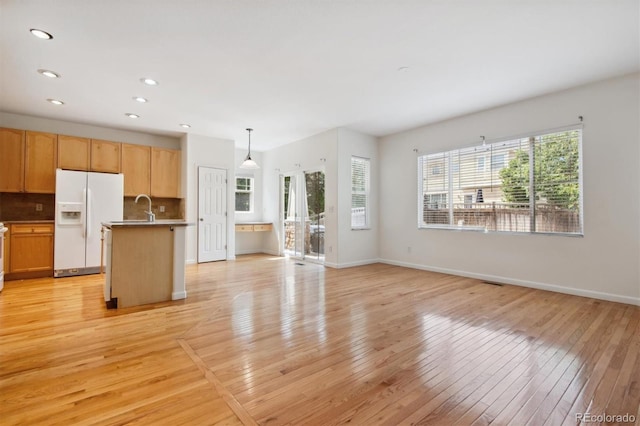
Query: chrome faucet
(150, 216)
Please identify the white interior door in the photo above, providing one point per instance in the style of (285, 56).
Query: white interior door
(212, 214)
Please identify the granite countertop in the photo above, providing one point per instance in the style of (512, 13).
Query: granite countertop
(129, 223)
(254, 223)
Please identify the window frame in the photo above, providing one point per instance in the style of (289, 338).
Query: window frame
(249, 191)
(366, 192)
(424, 173)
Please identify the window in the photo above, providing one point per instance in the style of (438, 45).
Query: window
(244, 194)
(532, 185)
(497, 161)
(360, 170)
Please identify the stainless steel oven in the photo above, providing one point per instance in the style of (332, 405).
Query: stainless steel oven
(2, 231)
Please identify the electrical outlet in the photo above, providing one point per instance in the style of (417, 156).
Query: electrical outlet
(330, 249)
(38, 207)
(161, 209)
(409, 249)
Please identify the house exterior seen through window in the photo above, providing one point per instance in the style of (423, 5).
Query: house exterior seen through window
(528, 185)
(360, 198)
(244, 194)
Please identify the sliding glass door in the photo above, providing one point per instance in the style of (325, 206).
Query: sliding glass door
(303, 215)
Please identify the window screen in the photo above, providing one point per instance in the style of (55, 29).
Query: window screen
(360, 171)
(529, 184)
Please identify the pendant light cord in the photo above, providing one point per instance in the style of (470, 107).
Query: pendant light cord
(249, 152)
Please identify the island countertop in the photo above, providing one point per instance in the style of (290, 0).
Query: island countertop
(128, 223)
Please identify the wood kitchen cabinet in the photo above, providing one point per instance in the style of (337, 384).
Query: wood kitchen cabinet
(105, 156)
(31, 248)
(165, 173)
(12, 160)
(136, 168)
(41, 160)
(73, 153)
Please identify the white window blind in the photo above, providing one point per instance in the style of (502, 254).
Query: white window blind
(360, 175)
(244, 194)
(529, 184)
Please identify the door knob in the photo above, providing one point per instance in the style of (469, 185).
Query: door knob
(201, 220)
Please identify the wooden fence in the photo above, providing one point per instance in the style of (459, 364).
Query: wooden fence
(505, 217)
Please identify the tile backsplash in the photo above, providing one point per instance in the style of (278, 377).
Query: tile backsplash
(23, 206)
(173, 208)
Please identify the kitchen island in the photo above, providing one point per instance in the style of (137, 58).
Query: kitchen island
(145, 262)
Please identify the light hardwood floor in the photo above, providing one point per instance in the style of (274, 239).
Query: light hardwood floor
(265, 340)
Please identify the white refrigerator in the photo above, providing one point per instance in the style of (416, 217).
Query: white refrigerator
(83, 201)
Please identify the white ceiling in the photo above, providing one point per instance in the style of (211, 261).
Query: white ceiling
(294, 68)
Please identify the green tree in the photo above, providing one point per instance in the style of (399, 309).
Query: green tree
(515, 179)
(556, 173)
(315, 192)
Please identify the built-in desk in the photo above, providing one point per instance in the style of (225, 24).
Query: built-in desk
(254, 227)
(145, 262)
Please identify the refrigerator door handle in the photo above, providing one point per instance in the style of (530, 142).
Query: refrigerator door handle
(84, 222)
(88, 213)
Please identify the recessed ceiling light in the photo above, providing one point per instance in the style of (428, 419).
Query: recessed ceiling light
(186, 126)
(131, 115)
(41, 34)
(149, 81)
(55, 101)
(48, 73)
(140, 99)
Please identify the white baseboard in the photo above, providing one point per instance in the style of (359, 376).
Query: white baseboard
(191, 262)
(177, 295)
(522, 283)
(351, 264)
(248, 251)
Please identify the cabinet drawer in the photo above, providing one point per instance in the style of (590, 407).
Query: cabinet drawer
(32, 228)
(262, 228)
(244, 228)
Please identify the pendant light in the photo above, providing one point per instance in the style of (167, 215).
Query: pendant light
(248, 163)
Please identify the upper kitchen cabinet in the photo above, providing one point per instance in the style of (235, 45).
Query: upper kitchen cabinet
(136, 168)
(11, 160)
(73, 153)
(105, 156)
(165, 173)
(41, 159)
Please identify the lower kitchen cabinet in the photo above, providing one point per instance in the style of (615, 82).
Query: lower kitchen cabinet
(31, 249)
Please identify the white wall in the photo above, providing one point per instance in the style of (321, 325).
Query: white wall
(604, 263)
(331, 152)
(356, 247)
(206, 151)
(317, 152)
(250, 242)
(37, 124)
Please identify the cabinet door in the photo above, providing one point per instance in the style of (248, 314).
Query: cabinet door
(165, 172)
(41, 159)
(73, 153)
(105, 156)
(136, 168)
(31, 251)
(11, 160)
